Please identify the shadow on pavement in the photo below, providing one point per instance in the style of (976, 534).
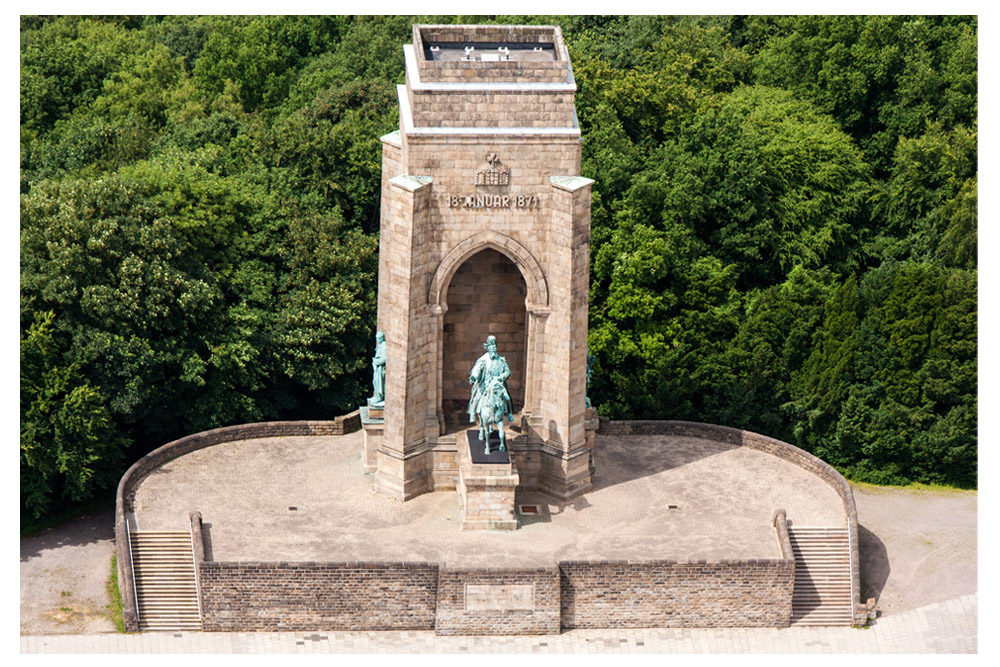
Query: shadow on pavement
(875, 566)
(87, 529)
(641, 456)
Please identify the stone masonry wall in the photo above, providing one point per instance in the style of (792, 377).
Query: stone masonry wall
(486, 297)
(317, 596)
(494, 601)
(670, 594)
(492, 109)
(513, 70)
(498, 601)
(775, 447)
(137, 472)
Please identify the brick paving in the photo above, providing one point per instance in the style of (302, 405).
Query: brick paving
(944, 627)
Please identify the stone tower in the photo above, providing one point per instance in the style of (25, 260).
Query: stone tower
(485, 229)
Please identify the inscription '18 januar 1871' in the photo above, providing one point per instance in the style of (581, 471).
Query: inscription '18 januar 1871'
(492, 201)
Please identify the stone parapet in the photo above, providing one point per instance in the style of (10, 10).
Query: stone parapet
(775, 447)
(255, 596)
(371, 596)
(555, 69)
(140, 469)
(677, 594)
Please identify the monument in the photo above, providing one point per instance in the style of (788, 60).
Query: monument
(490, 400)
(485, 232)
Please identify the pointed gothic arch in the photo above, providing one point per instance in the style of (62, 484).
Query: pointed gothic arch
(538, 291)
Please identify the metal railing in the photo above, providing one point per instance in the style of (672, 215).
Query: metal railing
(850, 565)
(131, 564)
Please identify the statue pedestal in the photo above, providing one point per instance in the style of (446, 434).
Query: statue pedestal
(373, 425)
(486, 488)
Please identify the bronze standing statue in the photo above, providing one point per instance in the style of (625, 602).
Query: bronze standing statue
(490, 400)
(378, 372)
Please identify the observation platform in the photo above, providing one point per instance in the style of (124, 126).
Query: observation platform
(304, 498)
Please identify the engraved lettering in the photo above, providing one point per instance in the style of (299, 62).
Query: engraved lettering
(498, 202)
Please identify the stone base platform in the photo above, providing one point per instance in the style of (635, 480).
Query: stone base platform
(486, 484)
(677, 532)
(372, 425)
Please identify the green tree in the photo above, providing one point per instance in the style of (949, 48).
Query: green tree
(889, 392)
(70, 448)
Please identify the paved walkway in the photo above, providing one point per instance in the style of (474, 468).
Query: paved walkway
(945, 627)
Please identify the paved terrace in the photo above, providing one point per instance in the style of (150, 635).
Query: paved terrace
(944, 627)
(724, 496)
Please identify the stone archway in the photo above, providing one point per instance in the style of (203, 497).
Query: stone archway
(538, 293)
(486, 297)
(532, 312)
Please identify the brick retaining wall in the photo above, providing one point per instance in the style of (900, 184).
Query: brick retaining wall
(137, 472)
(500, 602)
(424, 596)
(672, 594)
(247, 597)
(775, 447)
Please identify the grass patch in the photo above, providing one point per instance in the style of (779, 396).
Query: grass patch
(114, 608)
(915, 487)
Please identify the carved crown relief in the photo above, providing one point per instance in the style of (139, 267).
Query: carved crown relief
(493, 172)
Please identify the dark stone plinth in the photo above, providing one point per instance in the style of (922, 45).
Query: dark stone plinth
(476, 447)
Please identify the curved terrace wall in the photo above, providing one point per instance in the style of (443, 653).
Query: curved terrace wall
(137, 472)
(760, 589)
(775, 447)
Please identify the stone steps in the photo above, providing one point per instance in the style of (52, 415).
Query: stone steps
(165, 585)
(822, 591)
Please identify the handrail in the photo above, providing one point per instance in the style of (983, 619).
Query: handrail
(131, 564)
(850, 555)
(197, 555)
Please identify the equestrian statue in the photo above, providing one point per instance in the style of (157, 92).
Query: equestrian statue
(490, 401)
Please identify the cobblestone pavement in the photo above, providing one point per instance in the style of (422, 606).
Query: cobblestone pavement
(945, 627)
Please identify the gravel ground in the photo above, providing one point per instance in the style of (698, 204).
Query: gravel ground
(64, 574)
(918, 547)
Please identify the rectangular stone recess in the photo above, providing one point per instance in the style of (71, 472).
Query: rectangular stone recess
(490, 597)
(494, 601)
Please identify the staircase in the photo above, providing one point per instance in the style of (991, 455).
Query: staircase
(822, 592)
(165, 587)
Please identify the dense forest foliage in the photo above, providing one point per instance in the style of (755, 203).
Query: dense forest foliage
(783, 232)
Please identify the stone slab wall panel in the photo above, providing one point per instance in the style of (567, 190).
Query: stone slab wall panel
(511, 601)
